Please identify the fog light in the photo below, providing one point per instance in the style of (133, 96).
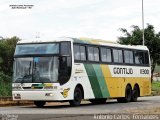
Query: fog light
(49, 94)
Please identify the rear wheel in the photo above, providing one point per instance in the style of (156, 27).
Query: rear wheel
(77, 97)
(98, 101)
(128, 95)
(135, 94)
(39, 103)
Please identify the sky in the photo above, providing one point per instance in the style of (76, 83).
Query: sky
(99, 19)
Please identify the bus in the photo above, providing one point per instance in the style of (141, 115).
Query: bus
(70, 70)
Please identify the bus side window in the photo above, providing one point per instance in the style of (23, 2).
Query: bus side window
(109, 58)
(96, 54)
(79, 52)
(128, 56)
(76, 52)
(90, 53)
(106, 55)
(83, 53)
(117, 56)
(103, 54)
(93, 54)
(131, 57)
(146, 58)
(139, 57)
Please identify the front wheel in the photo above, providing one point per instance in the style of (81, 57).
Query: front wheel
(77, 97)
(39, 103)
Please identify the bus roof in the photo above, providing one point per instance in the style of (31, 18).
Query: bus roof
(107, 43)
(85, 41)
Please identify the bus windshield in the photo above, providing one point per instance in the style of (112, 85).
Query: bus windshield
(36, 69)
(42, 62)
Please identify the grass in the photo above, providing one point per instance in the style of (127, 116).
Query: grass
(157, 69)
(155, 88)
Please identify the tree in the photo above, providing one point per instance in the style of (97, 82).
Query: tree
(7, 48)
(152, 41)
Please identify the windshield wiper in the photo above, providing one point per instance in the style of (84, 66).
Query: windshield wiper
(22, 80)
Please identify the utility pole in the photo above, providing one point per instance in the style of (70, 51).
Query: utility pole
(143, 23)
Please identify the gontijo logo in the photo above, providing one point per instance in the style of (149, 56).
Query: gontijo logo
(118, 70)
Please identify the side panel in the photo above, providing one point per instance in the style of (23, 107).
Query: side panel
(111, 80)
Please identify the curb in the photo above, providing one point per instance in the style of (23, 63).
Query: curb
(8, 101)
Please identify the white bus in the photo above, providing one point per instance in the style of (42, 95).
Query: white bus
(70, 69)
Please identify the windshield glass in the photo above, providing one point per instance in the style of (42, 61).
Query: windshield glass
(30, 49)
(36, 70)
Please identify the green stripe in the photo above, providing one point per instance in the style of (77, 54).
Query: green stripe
(37, 85)
(101, 80)
(93, 80)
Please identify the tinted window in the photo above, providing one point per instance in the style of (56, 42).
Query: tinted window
(139, 57)
(117, 56)
(76, 52)
(82, 52)
(65, 48)
(90, 54)
(146, 58)
(96, 54)
(128, 56)
(93, 54)
(109, 58)
(105, 55)
(79, 52)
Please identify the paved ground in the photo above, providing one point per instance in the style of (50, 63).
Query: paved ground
(86, 110)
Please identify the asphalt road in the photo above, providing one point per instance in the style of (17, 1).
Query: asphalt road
(86, 110)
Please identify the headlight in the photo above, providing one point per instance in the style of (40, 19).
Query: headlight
(16, 87)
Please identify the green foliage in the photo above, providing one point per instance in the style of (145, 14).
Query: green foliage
(7, 48)
(5, 85)
(157, 69)
(156, 88)
(152, 41)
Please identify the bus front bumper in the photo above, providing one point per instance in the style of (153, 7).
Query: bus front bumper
(38, 95)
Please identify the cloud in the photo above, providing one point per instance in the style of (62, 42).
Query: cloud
(75, 18)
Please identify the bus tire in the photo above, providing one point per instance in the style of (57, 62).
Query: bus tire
(39, 104)
(77, 97)
(135, 94)
(98, 101)
(128, 95)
